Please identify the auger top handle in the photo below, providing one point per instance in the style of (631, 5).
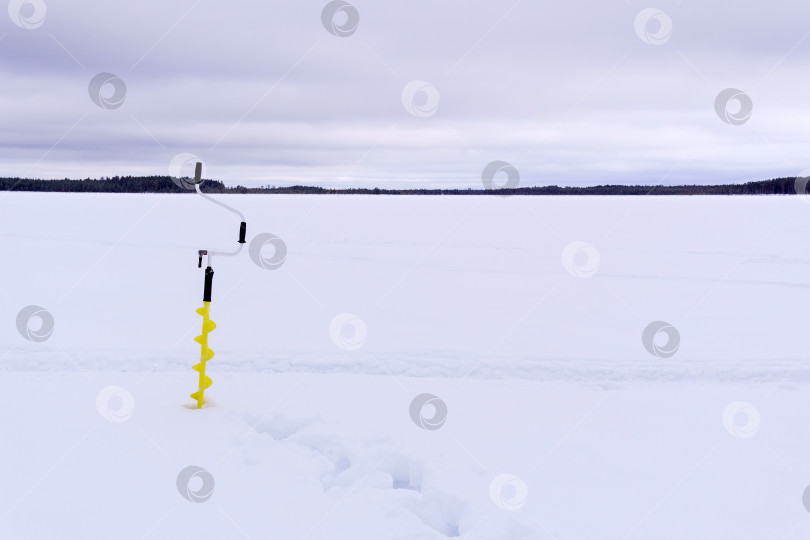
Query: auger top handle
(242, 223)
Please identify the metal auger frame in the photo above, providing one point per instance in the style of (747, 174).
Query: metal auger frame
(208, 325)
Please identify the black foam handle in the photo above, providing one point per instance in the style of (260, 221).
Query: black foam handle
(242, 232)
(198, 173)
(209, 281)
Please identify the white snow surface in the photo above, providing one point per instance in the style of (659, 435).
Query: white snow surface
(308, 434)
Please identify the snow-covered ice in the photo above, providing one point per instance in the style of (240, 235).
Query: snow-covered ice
(523, 316)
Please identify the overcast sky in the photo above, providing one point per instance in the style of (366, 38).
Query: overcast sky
(568, 93)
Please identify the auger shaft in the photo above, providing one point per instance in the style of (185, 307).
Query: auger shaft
(208, 326)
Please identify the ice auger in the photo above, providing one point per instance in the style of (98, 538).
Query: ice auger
(208, 325)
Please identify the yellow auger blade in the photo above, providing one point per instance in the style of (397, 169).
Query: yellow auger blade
(206, 354)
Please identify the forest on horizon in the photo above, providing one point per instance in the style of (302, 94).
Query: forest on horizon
(167, 184)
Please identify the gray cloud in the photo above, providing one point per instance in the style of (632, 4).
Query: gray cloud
(566, 93)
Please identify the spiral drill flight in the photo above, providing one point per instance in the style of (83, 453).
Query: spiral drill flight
(208, 325)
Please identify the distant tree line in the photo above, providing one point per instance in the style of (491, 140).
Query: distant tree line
(165, 184)
(116, 184)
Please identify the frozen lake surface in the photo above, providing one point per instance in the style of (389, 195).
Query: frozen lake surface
(553, 414)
